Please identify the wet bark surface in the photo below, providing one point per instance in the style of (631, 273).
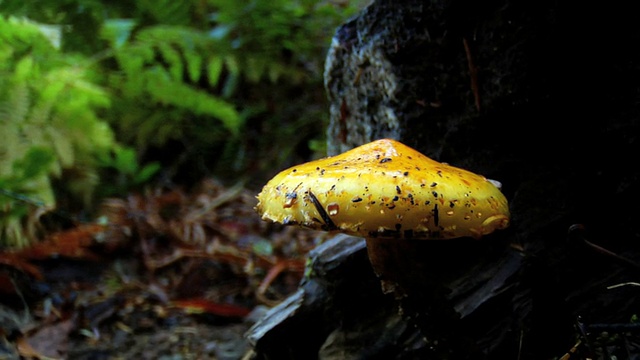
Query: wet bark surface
(541, 97)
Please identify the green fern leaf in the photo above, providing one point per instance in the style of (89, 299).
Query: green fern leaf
(214, 69)
(199, 102)
(172, 57)
(63, 147)
(117, 31)
(176, 12)
(194, 65)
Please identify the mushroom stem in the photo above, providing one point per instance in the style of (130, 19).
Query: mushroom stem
(412, 272)
(387, 259)
(403, 266)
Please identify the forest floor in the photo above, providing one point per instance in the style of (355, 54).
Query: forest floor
(169, 274)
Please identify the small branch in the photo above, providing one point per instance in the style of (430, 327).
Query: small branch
(473, 74)
(577, 231)
(623, 284)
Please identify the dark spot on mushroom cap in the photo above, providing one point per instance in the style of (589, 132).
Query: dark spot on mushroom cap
(436, 217)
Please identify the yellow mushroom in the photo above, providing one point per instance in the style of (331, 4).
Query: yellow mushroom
(385, 189)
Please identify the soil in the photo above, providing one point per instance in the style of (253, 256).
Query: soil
(169, 274)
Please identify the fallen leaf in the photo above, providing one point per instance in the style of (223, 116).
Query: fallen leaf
(199, 306)
(49, 342)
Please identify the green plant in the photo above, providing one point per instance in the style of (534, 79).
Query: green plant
(50, 124)
(278, 39)
(205, 74)
(193, 87)
(129, 173)
(162, 85)
(19, 212)
(279, 47)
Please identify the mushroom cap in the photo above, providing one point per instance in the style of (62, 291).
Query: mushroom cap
(385, 189)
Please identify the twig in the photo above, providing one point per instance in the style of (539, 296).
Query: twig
(520, 344)
(577, 230)
(23, 198)
(226, 196)
(473, 74)
(571, 351)
(623, 284)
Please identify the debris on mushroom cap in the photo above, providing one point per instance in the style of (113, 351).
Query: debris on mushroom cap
(385, 189)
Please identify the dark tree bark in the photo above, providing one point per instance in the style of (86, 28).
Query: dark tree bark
(542, 96)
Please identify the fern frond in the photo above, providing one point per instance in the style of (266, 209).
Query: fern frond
(214, 69)
(18, 101)
(195, 63)
(50, 119)
(161, 88)
(175, 12)
(14, 110)
(162, 66)
(173, 60)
